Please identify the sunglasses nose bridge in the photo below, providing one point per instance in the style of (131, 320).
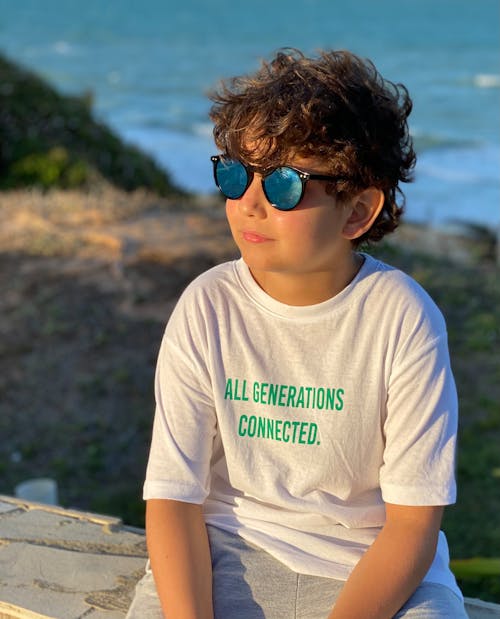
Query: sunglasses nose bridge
(254, 201)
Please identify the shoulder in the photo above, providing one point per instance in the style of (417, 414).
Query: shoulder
(401, 300)
(211, 284)
(205, 297)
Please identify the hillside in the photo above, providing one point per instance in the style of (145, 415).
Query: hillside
(50, 140)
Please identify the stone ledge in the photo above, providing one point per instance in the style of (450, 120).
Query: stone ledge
(477, 609)
(58, 563)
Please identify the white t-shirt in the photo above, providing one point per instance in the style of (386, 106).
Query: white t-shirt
(293, 425)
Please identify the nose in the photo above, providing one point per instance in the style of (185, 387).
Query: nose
(253, 202)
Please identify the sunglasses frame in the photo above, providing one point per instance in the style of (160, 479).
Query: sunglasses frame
(250, 170)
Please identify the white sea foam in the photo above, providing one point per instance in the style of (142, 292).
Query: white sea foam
(459, 184)
(63, 48)
(203, 129)
(113, 77)
(461, 165)
(487, 80)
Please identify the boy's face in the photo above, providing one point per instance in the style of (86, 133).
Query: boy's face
(300, 256)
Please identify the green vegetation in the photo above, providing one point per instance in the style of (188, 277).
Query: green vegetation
(49, 140)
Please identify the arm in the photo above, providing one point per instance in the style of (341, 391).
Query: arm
(393, 567)
(180, 558)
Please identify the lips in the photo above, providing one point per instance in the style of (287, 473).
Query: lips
(254, 237)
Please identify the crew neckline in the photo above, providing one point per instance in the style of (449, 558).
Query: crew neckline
(268, 303)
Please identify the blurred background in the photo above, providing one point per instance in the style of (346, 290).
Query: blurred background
(107, 210)
(147, 70)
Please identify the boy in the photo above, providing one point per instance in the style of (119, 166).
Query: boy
(304, 436)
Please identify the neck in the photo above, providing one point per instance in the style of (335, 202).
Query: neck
(302, 289)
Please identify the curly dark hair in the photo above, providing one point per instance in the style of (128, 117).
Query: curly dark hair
(336, 108)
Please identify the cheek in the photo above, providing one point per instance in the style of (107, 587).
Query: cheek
(303, 226)
(232, 221)
(230, 212)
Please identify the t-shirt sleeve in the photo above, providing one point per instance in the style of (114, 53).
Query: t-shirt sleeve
(185, 423)
(421, 425)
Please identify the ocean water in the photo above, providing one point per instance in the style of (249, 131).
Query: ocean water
(150, 64)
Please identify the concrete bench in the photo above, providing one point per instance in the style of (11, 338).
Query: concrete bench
(58, 563)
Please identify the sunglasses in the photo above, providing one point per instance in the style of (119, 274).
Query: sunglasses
(283, 187)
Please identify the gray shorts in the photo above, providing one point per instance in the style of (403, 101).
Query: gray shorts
(248, 583)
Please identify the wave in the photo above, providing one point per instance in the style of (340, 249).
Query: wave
(62, 47)
(456, 183)
(463, 165)
(203, 129)
(425, 140)
(487, 80)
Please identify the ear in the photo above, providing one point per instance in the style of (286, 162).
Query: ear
(364, 207)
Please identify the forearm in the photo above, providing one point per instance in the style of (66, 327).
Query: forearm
(180, 558)
(391, 569)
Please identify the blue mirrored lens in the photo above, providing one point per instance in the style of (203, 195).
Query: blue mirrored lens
(283, 188)
(232, 178)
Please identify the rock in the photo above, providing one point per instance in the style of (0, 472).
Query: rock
(65, 564)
